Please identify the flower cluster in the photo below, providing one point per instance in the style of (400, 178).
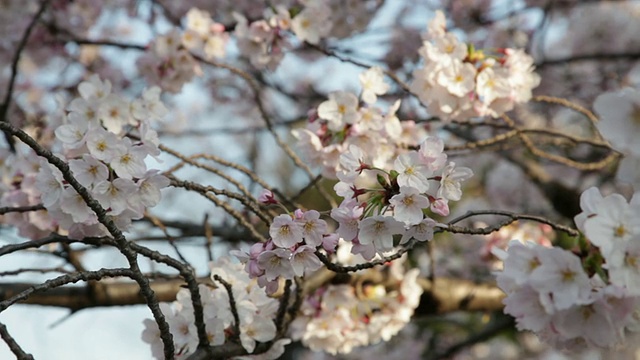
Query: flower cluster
(339, 317)
(290, 251)
(254, 308)
(204, 36)
(102, 159)
(524, 231)
(589, 298)
(18, 188)
(385, 186)
(418, 180)
(168, 63)
(342, 121)
(459, 82)
(262, 41)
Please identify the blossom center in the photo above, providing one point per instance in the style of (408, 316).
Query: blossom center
(631, 260)
(284, 230)
(125, 159)
(101, 146)
(620, 231)
(408, 201)
(379, 226)
(568, 275)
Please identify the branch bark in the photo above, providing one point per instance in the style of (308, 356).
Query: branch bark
(442, 295)
(77, 298)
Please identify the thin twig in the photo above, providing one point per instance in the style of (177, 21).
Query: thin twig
(232, 304)
(4, 107)
(13, 344)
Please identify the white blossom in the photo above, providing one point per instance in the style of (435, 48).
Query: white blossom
(285, 232)
(411, 172)
(372, 82)
(341, 109)
(379, 230)
(408, 205)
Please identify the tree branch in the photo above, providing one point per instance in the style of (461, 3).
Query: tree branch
(4, 107)
(77, 298)
(13, 345)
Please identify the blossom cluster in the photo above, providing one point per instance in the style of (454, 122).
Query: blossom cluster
(101, 158)
(264, 41)
(459, 82)
(342, 121)
(254, 308)
(418, 181)
(541, 234)
(585, 298)
(169, 61)
(204, 36)
(383, 198)
(290, 251)
(386, 187)
(336, 318)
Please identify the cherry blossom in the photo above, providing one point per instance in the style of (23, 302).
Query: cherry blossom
(339, 110)
(412, 173)
(285, 232)
(379, 230)
(313, 228)
(450, 182)
(408, 205)
(373, 84)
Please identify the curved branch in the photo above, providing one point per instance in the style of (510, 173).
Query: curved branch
(122, 244)
(4, 107)
(13, 345)
(62, 280)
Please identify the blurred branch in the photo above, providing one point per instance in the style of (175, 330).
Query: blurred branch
(79, 297)
(445, 295)
(206, 192)
(20, 209)
(4, 107)
(633, 56)
(441, 295)
(497, 326)
(229, 233)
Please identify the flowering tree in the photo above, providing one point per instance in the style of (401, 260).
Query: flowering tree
(363, 164)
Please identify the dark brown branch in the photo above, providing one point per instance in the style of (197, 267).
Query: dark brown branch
(53, 238)
(232, 304)
(13, 345)
(352, 268)
(20, 209)
(442, 295)
(499, 325)
(512, 218)
(77, 298)
(4, 107)
(588, 57)
(445, 295)
(63, 280)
